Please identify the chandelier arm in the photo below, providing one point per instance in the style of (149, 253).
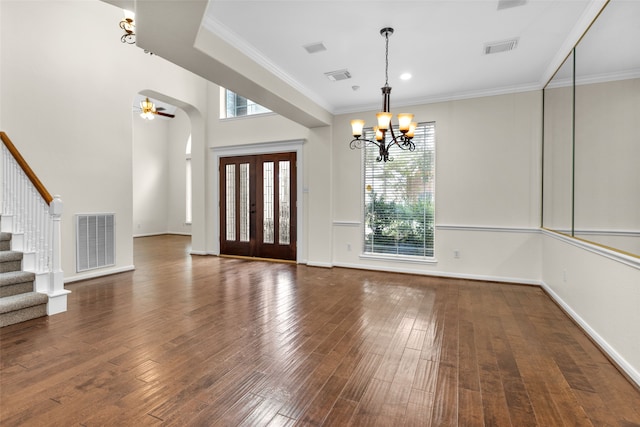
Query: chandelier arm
(406, 144)
(393, 135)
(360, 142)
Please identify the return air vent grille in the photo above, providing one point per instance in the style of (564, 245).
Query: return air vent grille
(507, 4)
(95, 241)
(315, 47)
(503, 46)
(335, 76)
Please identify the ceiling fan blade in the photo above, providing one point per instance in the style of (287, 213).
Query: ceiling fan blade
(164, 114)
(160, 108)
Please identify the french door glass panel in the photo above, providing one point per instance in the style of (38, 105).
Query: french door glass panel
(284, 236)
(231, 201)
(244, 202)
(268, 201)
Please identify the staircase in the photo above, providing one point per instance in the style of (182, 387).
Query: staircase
(18, 301)
(31, 276)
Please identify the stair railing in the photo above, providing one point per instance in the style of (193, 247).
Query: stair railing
(33, 216)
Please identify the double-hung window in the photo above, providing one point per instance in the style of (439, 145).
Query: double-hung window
(399, 197)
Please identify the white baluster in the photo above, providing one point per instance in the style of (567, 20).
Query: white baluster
(20, 204)
(28, 227)
(39, 238)
(3, 177)
(38, 223)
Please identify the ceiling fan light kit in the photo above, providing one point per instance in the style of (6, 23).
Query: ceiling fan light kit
(148, 109)
(406, 125)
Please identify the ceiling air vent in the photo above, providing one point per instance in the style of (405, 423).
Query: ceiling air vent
(503, 46)
(506, 4)
(315, 47)
(335, 76)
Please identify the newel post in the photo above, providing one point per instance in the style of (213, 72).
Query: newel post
(57, 293)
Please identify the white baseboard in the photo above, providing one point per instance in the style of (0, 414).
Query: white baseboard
(99, 273)
(629, 370)
(148, 234)
(485, 278)
(161, 234)
(192, 252)
(320, 264)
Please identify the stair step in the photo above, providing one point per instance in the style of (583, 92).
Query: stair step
(5, 241)
(10, 256)
(10, 261)
(4, 236)
(23, 307)
(16, 282)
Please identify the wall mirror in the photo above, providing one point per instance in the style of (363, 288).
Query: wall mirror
(591, 185)
(558, 149)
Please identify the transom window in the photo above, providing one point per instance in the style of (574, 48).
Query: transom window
(399, 197)
(235, 105)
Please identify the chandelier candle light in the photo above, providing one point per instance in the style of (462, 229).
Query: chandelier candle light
(128, 25)
(405, 124)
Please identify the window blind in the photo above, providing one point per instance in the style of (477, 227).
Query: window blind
(399, 197)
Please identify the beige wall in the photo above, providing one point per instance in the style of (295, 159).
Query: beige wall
(558, 158)
(487, 189)
(607, 155)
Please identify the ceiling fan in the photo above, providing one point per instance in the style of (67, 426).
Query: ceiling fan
(148, 110)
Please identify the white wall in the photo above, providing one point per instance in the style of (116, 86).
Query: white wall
(150, 176)
(179, 131)
(601, 292)
(79, 138)
(487, 189)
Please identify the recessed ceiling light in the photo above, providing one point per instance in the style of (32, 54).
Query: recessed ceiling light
(405, 76)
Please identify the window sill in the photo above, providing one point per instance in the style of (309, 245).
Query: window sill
(248, 116)
(400, 258)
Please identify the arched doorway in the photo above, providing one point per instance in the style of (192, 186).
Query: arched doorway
(160, 167)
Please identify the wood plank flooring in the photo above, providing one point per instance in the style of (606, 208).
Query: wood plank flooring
(208, 341)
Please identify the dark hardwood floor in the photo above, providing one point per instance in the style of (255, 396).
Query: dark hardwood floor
(215, 341)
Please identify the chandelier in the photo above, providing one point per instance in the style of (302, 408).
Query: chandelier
(405, 124)
(129, 27)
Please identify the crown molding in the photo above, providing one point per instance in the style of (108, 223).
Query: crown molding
(588, 16)
(507, 90)
(225, 33)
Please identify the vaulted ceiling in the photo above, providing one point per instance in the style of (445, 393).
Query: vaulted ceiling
(257, 48)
